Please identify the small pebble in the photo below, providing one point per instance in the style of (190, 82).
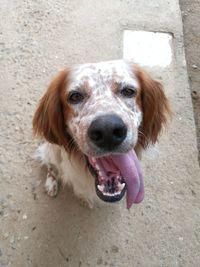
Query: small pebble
(18, 117)
(195, 95)
(24, 217)
(114, 249)
(12, 239)
(194, 66)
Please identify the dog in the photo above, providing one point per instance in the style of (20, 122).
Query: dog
(97, 119)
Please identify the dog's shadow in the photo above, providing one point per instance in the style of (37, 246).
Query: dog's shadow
(67, 233)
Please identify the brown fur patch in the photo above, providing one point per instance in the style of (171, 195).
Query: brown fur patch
(155, 107)
(52, 113)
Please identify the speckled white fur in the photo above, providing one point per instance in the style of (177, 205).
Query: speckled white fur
(99, 79)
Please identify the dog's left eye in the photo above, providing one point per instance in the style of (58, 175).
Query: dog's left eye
(128, 91)
(75, 97)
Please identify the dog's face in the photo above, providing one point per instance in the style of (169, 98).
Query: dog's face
(104, 111)
(104, 99)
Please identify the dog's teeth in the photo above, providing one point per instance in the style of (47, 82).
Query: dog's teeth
(121, 186)
(93, 159)
(111, 194)
(100, 187)
(97, 167)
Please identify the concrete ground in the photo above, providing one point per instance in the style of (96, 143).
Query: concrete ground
(37, 38)
(191, 22)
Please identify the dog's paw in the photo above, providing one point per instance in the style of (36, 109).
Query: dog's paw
(51, 186)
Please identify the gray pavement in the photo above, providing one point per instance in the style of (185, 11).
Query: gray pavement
(37, 38)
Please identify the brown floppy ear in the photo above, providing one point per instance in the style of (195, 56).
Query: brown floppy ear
(155, 108)
(49, 121)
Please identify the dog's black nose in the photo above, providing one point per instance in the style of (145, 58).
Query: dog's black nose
(107, 131)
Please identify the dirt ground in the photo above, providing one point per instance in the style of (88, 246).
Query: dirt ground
(191, 21)
(37, 38)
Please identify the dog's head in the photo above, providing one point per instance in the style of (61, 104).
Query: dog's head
(103, 110)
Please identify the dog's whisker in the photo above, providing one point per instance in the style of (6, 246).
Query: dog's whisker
(140, 132)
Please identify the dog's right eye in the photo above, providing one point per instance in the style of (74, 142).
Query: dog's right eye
(75, 97)
(128, 91)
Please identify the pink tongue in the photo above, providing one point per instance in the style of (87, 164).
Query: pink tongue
(129, 167)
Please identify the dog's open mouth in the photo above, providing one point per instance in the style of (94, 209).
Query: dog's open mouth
(115, 174)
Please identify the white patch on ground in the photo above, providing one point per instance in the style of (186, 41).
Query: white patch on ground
(148, 48)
